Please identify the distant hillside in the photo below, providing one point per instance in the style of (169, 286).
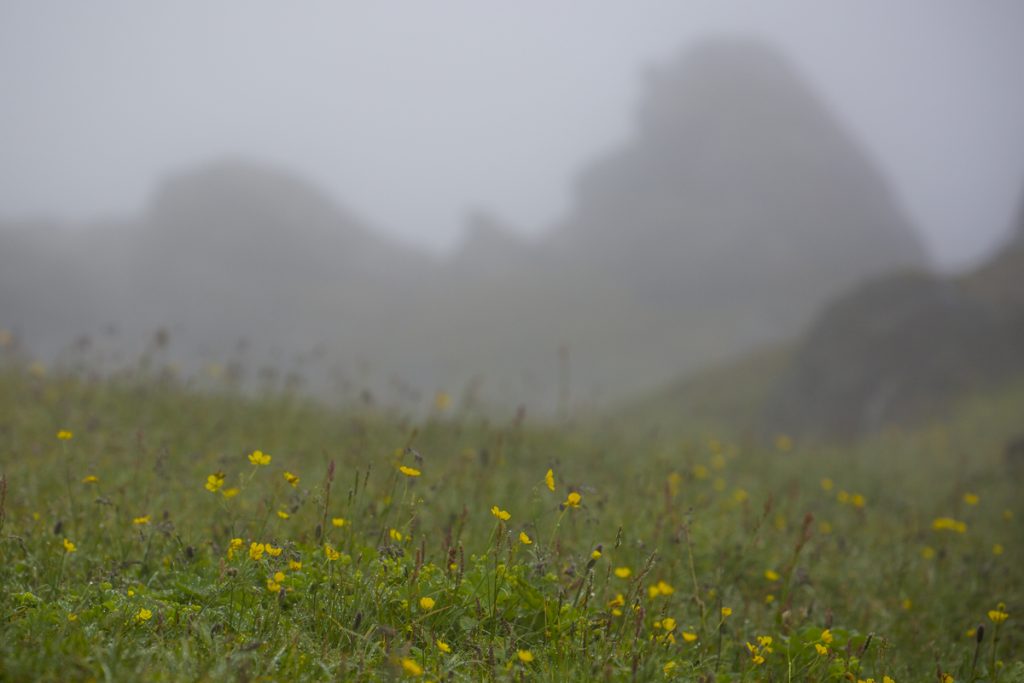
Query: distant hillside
(900, 350)
(736, 208)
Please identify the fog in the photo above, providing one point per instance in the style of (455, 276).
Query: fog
(444, 194)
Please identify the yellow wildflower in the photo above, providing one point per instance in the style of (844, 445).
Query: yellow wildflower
(822, 650)
(572, 500)
(769, 599)
(409, 471)
(427, 603)
(395, 535)
(444, 647)
(726, 612)
(689, 636)
(230, 493)
(998, 615)
(69, 547)
(143, 615)
(256, 551)
(826, 636)
(549, 479)
(144, 519)
(214, 482)
(72, 616)
(338, 522)
(858, 500)
(273, 586)
(596, 555)
(525, 656)
(411, 667)
(971, 498)
(623, 572)
(272, 551)
(907, 604)
(771, 575)
(283, 514)
(294, 565)
(233, 546)
(64, 435)
(90, 479)
(331, 553)
(827, 484)
(503, 515)
(668, 623)
(524, 539)
(669, 666)
(997, 549)
(927, 552)
(291, 479)
(259, 458)
(888, 679)
(949, 524)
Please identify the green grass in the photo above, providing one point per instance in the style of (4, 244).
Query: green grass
(717, 522)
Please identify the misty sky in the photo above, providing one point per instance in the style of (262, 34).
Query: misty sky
(413, 113)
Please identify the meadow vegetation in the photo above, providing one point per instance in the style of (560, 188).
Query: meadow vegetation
(150, 530)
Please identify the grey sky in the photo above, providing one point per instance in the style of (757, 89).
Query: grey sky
(411, 113)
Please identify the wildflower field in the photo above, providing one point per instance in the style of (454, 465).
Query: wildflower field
(152, 531)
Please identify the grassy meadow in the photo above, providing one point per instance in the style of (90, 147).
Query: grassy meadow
(154, 531)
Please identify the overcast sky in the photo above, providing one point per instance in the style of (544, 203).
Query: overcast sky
(412, 113)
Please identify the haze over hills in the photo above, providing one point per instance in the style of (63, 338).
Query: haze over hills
(738, 207)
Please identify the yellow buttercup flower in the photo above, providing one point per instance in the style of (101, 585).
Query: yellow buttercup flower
(259, 458)
(444, 647)
(623, 572)
(596, 555)
(668, 623)
(822, 650)
(525, 656)
(291, 479)
(771, 575)
(395, 535)
(69, 547)
(282, 514)
(234, 546)
(971, 498)
(669, 667)
(689, 636)
(272, 551)
(143, 615)
(230, 493)
(998, 615)
(549, 480)
(294, 565)
(65, 435)
(826, 636)
(949, 524)
(411, 667)
(90, 479)
(256, 551)
(427, 603)
(572, 500)
(503, 515)
(409, 471)
(331, 553)
(524, 539)
(338, 522)
(144, 519)
(726, 612)
(214, 482)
